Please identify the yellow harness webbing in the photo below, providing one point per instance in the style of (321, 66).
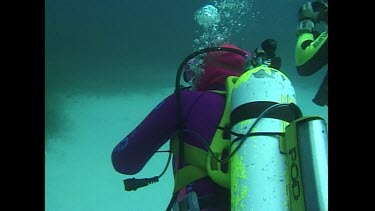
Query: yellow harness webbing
(195, 157)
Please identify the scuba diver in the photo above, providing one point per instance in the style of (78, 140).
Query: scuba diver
(311, 52)
(203, 110)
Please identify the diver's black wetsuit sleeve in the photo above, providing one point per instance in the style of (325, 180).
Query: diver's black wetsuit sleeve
(311, 54)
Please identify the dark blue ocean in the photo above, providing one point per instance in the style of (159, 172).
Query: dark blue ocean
(108, 63)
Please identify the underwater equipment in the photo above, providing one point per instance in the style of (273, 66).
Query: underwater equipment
(266, 55)
(307, 151)
(273, 148)
(269, 46)
(260, 104)
(133, 184)
(190, 70)
(274, 115)
(188, 202)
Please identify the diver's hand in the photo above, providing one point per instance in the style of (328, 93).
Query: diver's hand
(306, 12)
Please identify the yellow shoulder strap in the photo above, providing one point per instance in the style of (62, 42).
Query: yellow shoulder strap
(200, 162)
(219, 144)
(196, 158)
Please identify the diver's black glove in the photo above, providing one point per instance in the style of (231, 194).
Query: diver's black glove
(322, 10)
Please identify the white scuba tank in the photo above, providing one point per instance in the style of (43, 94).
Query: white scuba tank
(259, 169)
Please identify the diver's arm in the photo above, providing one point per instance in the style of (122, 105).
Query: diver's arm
(133, 152)
(311, 54)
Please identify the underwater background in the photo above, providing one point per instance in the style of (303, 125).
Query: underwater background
(108, 63)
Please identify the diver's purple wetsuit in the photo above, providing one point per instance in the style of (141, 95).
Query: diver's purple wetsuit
(202, 111)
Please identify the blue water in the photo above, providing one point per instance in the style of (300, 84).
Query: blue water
(108, 63)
